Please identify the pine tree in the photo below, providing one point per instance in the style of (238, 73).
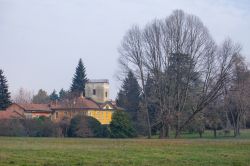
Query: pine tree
(54, 96)
(152, 103)
(129, 98)
(79, 79)
(41, 97)
(62, 94)
(4, 92)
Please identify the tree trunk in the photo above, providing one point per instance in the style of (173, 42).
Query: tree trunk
(162, 132)
(215, 133)
(168, 131)
(200, 133)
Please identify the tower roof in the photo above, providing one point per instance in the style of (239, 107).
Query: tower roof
(98, 81)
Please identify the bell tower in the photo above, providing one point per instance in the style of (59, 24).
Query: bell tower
(97, 90)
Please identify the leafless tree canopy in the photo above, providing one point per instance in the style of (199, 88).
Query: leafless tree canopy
(23, 96)
(188, 68)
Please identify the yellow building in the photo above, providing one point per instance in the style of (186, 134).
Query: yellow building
(96, 104)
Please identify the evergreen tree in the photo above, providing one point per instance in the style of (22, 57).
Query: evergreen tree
(79, 80)
(62, 94)
(129, 98)
(4, 92)
(153, 102)
(54, 96)
(121, 126)
(41, 97)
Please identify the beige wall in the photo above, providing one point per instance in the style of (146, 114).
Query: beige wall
(101, 90)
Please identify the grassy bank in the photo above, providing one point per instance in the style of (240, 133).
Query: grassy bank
(74, 151)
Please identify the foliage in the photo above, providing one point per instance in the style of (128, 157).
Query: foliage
(41, 97)
(11, 127)
(121, 126)
(129, 99)
(62, 94)
(54, 96)
(40, 127)
(84, 126)
(4, 92)
(79, 79)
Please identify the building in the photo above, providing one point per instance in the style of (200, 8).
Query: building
(98, 90)
(84, 106)
(96, 104)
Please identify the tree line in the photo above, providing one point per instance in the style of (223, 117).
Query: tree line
(78, 126)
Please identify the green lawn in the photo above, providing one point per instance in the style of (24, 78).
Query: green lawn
(70, 151)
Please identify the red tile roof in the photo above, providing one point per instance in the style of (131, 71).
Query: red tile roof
(10, 115)
(35, 107)
(80, 102)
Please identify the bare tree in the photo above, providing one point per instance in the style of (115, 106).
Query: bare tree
(187, 67)
(23, 96)
(239, 94)
(131, 58)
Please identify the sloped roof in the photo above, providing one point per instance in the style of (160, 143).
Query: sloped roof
(112, 104)
(9, 114)
(35, 107)
(80, 102)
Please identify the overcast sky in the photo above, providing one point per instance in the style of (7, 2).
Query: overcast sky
(41, 41)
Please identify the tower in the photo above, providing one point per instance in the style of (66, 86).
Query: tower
(98, 90)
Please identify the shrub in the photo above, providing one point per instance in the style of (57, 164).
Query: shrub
(11, 127)
(40, 127)
(84, 126)
(121, 126)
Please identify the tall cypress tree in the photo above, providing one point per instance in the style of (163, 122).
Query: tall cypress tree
(4, 92)
(79, 79)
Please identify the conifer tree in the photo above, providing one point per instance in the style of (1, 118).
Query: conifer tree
(129, 98)
(4, 92)
(54, 96)
(79, 79)
(62, 94)
(41, 97)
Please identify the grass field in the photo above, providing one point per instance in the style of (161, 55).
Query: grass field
(76, 151)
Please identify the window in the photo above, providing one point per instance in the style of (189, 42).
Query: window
(106, 94)
(94, 92)
(65, 113)
(56, 115)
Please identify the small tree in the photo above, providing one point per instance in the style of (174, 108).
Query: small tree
(4, 92)
(121, 126)
(79, 79)
(41, 97)
(54, 96)
(62, 94)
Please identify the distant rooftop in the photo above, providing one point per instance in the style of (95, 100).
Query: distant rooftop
(98, 81)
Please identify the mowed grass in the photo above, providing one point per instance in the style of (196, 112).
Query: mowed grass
(137, 152)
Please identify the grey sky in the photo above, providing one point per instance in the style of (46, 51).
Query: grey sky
(41, 41)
